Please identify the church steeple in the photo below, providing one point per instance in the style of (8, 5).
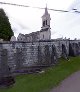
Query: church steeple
(46, 11)
(45, 32)
(46, 19)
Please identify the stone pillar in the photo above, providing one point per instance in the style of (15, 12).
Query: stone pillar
(18, 58)
(64, 52)
(47, 56)
(6, 78)
(77, 49)
(44, 57)
(53, 55)
(71, 50)
(4, 68)
(39, 56)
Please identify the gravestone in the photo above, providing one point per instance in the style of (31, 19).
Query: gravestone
(64, 52)
(13, 38)
(44, 57)
(18, 58)
(71, 50)
(47, 55)
(54, 55)
(40, 56)
(76, 49)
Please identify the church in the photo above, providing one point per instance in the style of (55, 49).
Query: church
(43, 34)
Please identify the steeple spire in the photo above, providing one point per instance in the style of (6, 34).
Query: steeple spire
(46, 11)
(46, 5)
(46, 19)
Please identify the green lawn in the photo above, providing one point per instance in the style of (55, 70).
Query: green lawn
(45, 81)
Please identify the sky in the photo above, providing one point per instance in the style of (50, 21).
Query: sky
(27, 19)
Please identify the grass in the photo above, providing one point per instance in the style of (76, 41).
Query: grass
(47, 80)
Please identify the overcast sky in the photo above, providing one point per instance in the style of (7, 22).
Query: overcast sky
(27, 20)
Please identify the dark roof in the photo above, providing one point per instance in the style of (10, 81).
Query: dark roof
(42, 30)
(33, 33)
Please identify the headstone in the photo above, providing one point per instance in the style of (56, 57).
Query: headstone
(76, 48)
(47, 55)
(71, 50)
(18, 58)
(64, 52)
(53, 55)
(39, 56)
(13, 38)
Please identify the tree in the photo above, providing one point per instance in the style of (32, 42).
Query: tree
(5, 27)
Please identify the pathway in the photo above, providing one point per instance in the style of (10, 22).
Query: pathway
(71, 84)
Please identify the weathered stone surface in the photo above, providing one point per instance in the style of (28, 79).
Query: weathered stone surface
(19, 58)
(74, 49)
(47, 56)
(54, 55)
(64, 52)
(6, 78)
(39, 56)
(4, 68)
(23, 54)
(13, 38)
(71, 51)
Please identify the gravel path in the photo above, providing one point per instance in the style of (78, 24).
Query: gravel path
(71, 84)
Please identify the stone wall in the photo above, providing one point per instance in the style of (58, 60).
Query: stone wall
(24, 54)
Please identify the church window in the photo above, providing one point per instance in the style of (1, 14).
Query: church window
(46, 22)
(43, 23)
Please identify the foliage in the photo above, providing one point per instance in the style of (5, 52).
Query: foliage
(45, 81)
(5, 27)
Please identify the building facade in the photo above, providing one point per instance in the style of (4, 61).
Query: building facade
(43, 34)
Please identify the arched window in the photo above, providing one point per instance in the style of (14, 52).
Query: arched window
(43, 23)
(46, 22)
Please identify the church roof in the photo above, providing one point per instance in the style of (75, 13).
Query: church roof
(46, 29)
(46, 11)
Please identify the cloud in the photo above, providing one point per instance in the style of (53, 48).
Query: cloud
(26, 20)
